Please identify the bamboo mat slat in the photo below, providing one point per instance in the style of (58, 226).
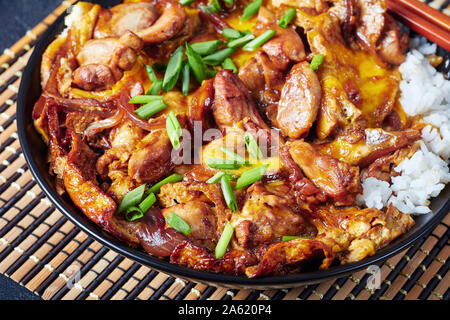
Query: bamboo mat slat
(43, 251)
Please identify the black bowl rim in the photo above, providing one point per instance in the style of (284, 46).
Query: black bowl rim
(95, 231)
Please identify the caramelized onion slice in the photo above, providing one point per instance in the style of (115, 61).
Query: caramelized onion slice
(98, 126)
(148, 126)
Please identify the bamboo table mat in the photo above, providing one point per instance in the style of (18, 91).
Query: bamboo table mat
(43, 251)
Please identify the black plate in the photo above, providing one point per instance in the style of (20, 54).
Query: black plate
(35, 152)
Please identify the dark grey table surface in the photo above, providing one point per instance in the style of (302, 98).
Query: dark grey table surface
(17, 17)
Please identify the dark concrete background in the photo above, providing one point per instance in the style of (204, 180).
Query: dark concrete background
(18, 16)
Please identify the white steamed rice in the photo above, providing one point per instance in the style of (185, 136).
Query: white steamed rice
(426, 93)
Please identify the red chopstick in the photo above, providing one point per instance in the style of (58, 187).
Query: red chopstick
(435, 16)
(426, 21)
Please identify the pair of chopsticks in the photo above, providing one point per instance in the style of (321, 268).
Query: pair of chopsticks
(423, 19)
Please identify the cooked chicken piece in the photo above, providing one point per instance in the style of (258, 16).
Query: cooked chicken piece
(80, 184)
(92, 77)
(264, 73)
(284, 48)
(393, 43)
(199, 215)
(200, 106)
(189, 28)
(169, 23)
(264, 80)
(383, 167)
(152, 158)
(299, 102)
(265, 218)
(379, 33)
(102, 61)
(285, 257)
(153, 23)
(304, 189)
(310, 6)
(79, 121)
(337, 179)
(376, 143)
(357, 233)
(125, 17)
(232, 102)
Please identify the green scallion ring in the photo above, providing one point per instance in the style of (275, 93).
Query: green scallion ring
(259, 41)
(170, 179)
(150, 109)
(224, 240)
(176, 222)
(228, 193)
(251, 9)
(222, 164)
(173, 69)
(132, 198)
(316, 61)
(217, 57)
(287, 18)
(251, 176)
(173, 129)
(228, 64)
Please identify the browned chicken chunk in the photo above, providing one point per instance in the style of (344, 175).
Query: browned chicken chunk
(102, 61)
(299, 102)
(337, 179)
(233, 102)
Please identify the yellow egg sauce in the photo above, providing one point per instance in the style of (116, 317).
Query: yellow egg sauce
(240, 57)
(374, 86)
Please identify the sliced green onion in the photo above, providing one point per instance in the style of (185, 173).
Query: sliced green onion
(216, 178)
(316, 61)
(287, 18)
(148, 202)
(217, 57)
(231, 33)
(223, 164)
(186, 79)
(252, 146)
(236, 158)
(224, 240)
(215, 5)
(137, 213)
(144, 99)
(228, 193)
(228, 2)
(156, 87)
(228, 64)
(173, 69)
(240, 41)
(210, 73)
(251, 176)
(151, 108)
(186, 2)
(173, 129)
(206, 47)
(176, 222)
(212, 7)
(289, 238)
(132, 198)
(151, 73)
(259, 41)
(160, 67)
(251, 9)
(170, 179)
(196, 63)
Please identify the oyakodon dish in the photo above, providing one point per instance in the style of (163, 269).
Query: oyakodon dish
(251, 138)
